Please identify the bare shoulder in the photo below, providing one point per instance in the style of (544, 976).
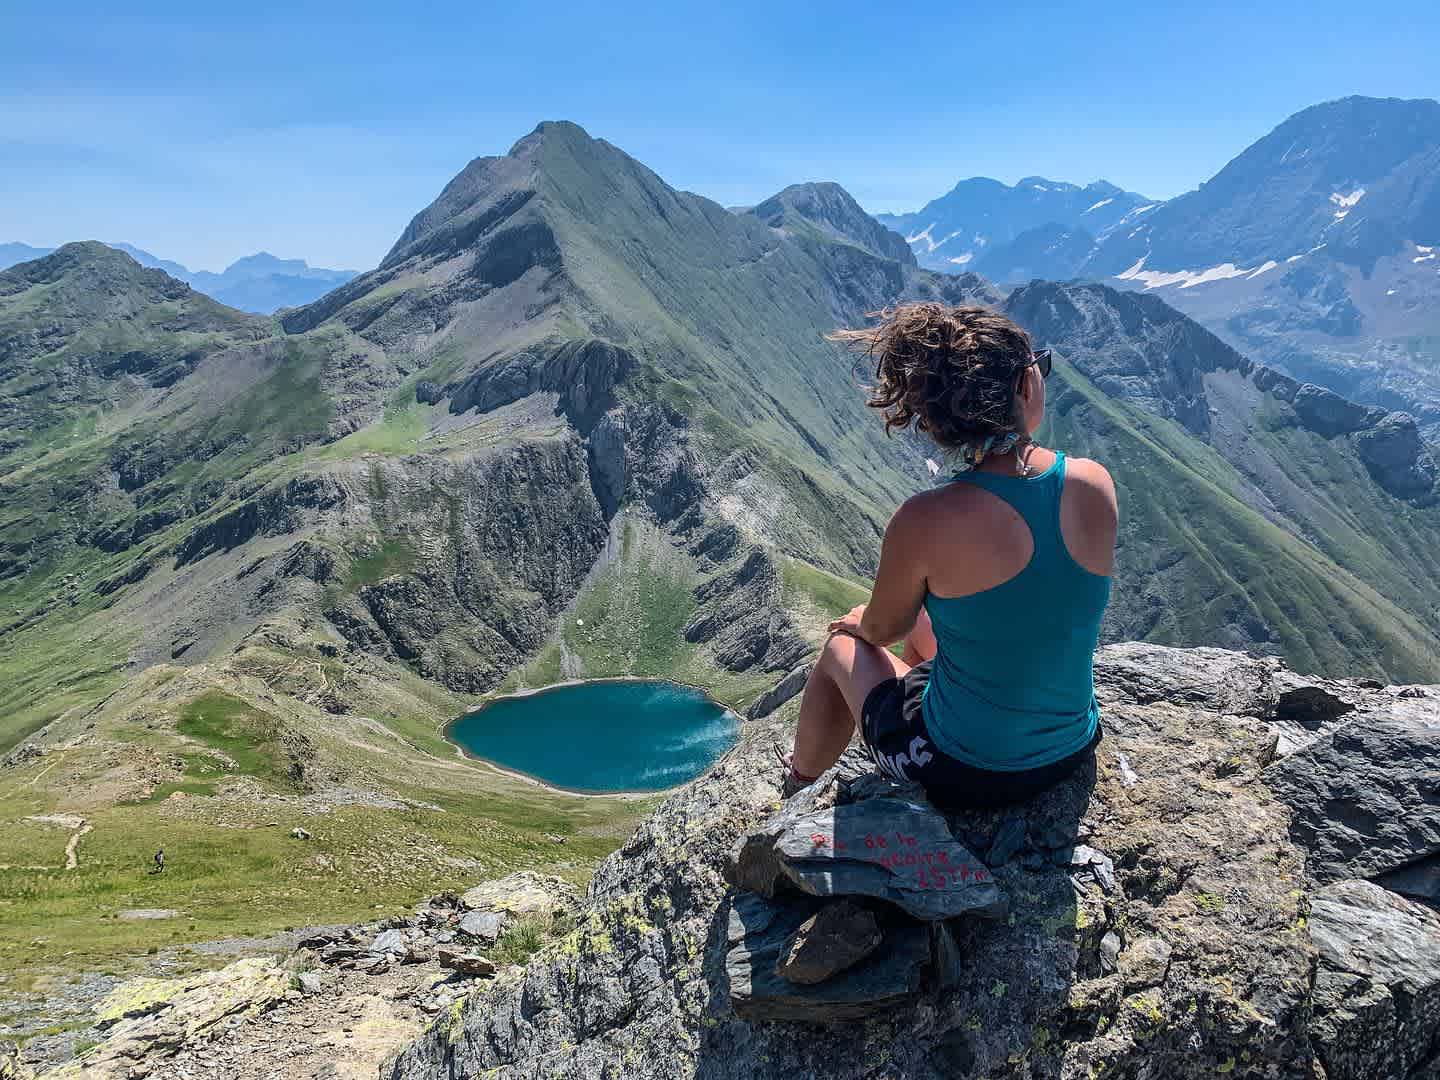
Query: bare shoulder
(1091, 480)
(914, 513)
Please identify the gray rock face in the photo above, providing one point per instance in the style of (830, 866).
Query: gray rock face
(582, 373)
(1212, 974)
(1397, 458)
(781, 692)
(1327, 413)
(893, 848)
(1366, 797)
(1377, 990)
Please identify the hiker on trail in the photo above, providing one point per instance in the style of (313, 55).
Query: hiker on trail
(996, 579)
(160, 861)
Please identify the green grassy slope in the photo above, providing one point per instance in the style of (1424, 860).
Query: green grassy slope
(1195, 557)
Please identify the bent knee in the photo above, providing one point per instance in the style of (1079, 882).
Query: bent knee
(838, 652)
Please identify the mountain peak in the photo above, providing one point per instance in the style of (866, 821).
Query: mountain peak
(1356, 176)
(829, 207)
(101, 264)
(980, 215)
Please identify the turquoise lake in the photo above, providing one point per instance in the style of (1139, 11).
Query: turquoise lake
(599, 736)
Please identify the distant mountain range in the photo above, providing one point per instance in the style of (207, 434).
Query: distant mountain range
(1316, 250)
(260, 283)
(976, 225)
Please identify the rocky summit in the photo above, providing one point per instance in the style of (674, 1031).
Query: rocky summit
(1184, 909)
(1236, 887)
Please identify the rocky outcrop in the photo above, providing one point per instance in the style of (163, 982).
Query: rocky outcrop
(1327, 413)
(741, 618)
(1162, 923)
(274, 512)
(1366, 796)
(1377, 990)
(1397, 458)
(479, 555)
(1132, 345)
(583, 373)
(788, 687)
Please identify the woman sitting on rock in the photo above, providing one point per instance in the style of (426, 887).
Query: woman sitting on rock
(996, 580)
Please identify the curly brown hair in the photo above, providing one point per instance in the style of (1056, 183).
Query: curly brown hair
(950, 372)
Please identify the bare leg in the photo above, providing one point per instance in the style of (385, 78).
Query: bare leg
(848, 669)
(920, 645)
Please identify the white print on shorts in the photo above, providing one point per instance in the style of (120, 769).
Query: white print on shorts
(895, 766)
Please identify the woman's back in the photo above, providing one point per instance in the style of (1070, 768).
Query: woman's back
(1016, 587)
(992, 699)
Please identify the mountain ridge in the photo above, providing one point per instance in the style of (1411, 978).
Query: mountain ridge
(979, 216)
(259, 283)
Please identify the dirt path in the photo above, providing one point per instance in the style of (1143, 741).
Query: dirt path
(36, 778)
(72, 854)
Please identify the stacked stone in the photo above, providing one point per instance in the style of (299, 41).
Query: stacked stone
(845, 903)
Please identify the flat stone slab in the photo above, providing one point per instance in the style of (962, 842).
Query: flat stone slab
(891, 848)
(1366, 796)
(147, 913)
(760, 931)
(486, 926)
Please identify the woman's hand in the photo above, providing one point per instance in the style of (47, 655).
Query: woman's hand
(849, 623)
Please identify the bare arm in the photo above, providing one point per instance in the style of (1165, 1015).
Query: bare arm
(899, 586)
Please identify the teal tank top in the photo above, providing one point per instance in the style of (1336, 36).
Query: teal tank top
(1012, 685)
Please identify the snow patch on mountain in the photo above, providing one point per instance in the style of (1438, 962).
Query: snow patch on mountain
(1188, 279)
(924, 234)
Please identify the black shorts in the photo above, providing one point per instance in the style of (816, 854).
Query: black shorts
(892, 724)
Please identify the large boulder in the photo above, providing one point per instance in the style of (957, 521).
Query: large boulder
(1377, 990)
(146, 1020)
(1366, 796)
(524, 894)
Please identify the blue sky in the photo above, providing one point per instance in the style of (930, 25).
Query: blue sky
(318, 130)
